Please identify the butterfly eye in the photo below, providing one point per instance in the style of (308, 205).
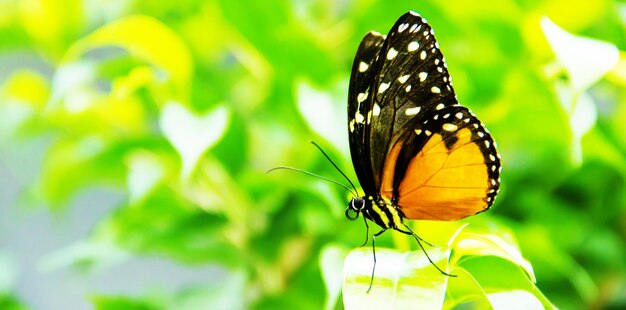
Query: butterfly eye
(354, 208)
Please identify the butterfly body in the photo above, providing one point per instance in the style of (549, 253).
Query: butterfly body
(417, 152)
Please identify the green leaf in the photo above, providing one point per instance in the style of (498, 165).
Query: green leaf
(467, 244)
(401, 279)
(514, 300)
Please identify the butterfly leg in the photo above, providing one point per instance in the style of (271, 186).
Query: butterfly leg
(418, 239)
(374, 252)
(411, 233)
(367, 231)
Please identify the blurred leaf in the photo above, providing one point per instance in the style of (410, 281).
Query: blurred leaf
(145, 171)
(165, 224)
(191, 135)
(87, 256)
(225, 295)
(11, 302)
(52, 23)
(331, 264)
(148, 39)
(582, 116)
(586, 60)
(101, 302)
(324, 116)
(9, 271)
(22, 98)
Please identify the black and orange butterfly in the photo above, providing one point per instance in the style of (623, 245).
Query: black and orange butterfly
(417, 153)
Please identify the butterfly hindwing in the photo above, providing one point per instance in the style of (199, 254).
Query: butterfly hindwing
(445, 168)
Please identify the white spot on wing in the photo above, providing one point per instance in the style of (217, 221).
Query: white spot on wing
(449, 127)
(408, 88)
(391, 54)
(435, 90)
(459, 115)
(413, 46)
(363, 66)
(440, 106)
(404, 78)
(376, 109)
(412, 111)
(361, 97)
(418, 132)
(403, 27)
(422, 76)
(359, 118)
(383, 87)
(415, 28)
(423, 55)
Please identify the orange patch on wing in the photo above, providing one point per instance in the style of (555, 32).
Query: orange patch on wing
(386, 189)
(441, 183)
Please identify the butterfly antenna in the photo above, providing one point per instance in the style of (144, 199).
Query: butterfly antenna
(311, 174)
(356, 193)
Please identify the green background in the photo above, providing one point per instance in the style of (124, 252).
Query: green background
(135, 137)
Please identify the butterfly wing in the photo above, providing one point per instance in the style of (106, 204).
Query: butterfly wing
(359, 102)
(446, 168)
(423, 157)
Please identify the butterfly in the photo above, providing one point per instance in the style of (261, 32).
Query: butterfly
(418, 154)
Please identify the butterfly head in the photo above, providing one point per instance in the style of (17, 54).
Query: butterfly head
(355, 207)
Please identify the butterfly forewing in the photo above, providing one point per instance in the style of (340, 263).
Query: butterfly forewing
(359, 102)
(422, 151)
(411, 79)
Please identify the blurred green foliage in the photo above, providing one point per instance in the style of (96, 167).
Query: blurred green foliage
(182, 106)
